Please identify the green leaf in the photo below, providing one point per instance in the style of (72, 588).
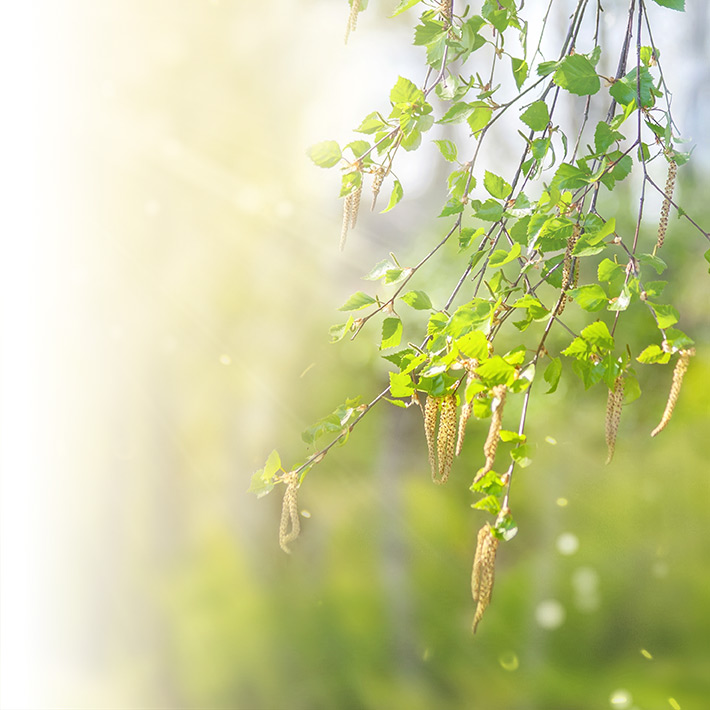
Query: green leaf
(473, 344)
(261, 481)
(609, 270)
(655, 261)
(490, 504)
(546, 68)
(625, 90)
(569, 177)
(448, 149)
(379, 270)
(371, 123)
(406, 92)
(672, 4)
(337, 332)
(605, 137)
(452, 206)
(325, 154)
(479, 119)
(395, 197)
(507, 436)
(590, 298)
(401, 385)
(552, 374)
(707, 258)
(496, 186)
(490, 210)
(678, 340)
(598, 334)
(666, 315)
(496, 371)
(469, 316)
(622, 301)
(500, 256)
(653, 354)
(521, 455)
(391, 333)
(458, 113)
(536, 116)
(392, 276)
(577, 75)
(417, 300)
(520, 71)
(467, 235)
(357, 301)
(404, 5)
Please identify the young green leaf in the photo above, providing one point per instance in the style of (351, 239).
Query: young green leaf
(448, 149)
(577, 75)
(672, 4)
(395, 197)
(500, 256)
(404, 5)
(496, 186)
(325, 154)
(536, 116)
(417, 300)
(552, 374)
(391, 333)
(590, 298)
(357, 301)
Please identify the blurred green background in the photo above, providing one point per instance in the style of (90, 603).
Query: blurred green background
(203, 276)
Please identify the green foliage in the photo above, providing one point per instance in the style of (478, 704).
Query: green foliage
(526, 235)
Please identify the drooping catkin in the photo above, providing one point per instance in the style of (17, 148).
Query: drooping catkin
(466, 410)
(569, 271)
(483, 573)
(666, 206)
(352, 18)
(351, 205)
(379, 177)
(289, 513)
(355, 208)
(431, 412)
(678, 373)
(446, 437)
(613, 415)
(491, 444)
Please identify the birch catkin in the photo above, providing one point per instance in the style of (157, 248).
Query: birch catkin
(351, 207)
(290, 526)
(377, 180)
(431, 411)
(568, 270)
(491, 444)
(678, 373)
(666, 206)
(483, 573)
(352, 18)
(446, 438)
(466, 410)
(613, 415)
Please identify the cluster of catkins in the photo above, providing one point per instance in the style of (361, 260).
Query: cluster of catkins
(444, 438)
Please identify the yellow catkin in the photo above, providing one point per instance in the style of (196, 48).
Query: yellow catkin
(347, 219)
(666, 206)
(379, 177)
(466, 410)
(352, 18)
(569, 272)
(446, 438)
(355, 208)
(678, 373)
(431, 411)
(491, 444)
(483, 573)
(613, 415)
(290, 526)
